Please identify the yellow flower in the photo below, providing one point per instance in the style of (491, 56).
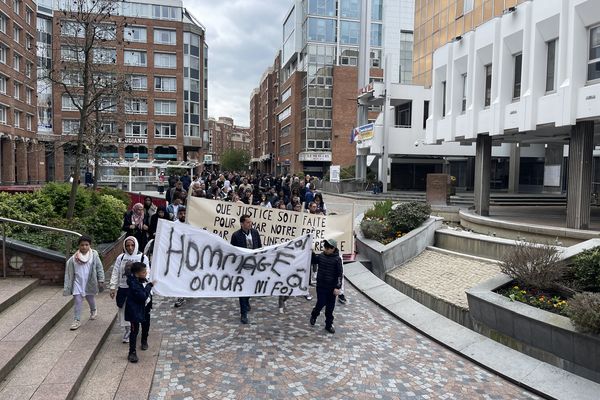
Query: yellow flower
(523, 292)
(515, 287)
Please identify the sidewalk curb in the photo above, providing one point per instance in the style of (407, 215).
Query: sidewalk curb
(533, 375)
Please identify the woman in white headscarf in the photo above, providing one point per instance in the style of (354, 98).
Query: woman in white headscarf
(118, 280)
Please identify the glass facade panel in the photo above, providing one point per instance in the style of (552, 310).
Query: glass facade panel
(325, 8)
(376, 34)
(349, 32)
(321, 30)
(350, 9)
(377, 10)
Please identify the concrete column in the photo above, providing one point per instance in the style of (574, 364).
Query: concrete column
(361, 168)
(579, 186)
(41, 162)
(514, 168)
(553, 171)
(32, 163)
(483, 160)
(8, 162)
(59, 163)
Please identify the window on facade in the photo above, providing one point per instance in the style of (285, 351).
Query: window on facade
(425, 113)
(594, 56)
(70, 126)
(135, 34)
(518, 59)
(284, 114)
(488, 86)
(443, 99)
(166, 12)
(28, 122)
(72, 29)
(164, 36)
(322, 7)
(135, 58)
(108, 127)
(3, 80)
(136, 129)
(376, 34)
(29, 95)
(108, 104)
(165, 107)
(321, 30)
(106, 32)
(165, 84)
(3, 114)
(28, 69)
(467, 6)
(105, 56)
(350, 9)
(349, 32)
(165, 60)
(17, 90)
(550, 65)
(71, 53)
(377, 10)
(72, 78)
(17, 62)
(16, 33)
(168, 131)
(17, 6)
(17, 119)
(138, 82)
(286, 95)
(136, 106)
(3, 52)
(463, 106)
(70, 104)
(28, 15)
(28, 42)
(3, 19)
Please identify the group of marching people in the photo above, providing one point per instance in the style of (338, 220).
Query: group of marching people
(129, 285)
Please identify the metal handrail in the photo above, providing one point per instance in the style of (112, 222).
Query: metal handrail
(3, 221)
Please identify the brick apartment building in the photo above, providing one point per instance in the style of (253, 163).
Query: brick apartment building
(314, 100)
(224, 135)
(157, 45)
(22, 155)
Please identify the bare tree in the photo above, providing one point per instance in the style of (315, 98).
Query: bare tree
(87, 75)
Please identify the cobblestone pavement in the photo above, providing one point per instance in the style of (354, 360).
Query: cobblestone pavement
(444, 276)
(206, 354)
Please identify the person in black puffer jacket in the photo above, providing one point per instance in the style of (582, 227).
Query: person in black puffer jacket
(329, 282)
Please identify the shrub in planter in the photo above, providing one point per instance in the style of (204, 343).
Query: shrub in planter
(380, 210)
(586, 270)
(534, 265)
(408, 216)
(584, 311)
(374, 229)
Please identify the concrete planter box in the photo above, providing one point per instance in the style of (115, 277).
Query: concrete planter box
(341, 187)
(541, 334)
(385, 258)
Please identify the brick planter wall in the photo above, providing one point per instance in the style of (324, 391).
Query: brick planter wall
(49, 266)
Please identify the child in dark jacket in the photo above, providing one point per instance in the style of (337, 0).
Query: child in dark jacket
(137, 307)
(329, 282)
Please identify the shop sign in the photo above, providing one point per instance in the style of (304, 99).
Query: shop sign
(315, 156)
(135, 140)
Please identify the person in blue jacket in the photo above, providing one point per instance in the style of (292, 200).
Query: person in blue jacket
(137, 307)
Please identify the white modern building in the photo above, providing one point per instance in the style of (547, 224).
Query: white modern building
(532, 78)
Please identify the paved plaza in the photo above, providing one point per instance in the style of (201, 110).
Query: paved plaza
(206, 354)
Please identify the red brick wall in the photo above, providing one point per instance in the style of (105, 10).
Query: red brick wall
(345, 84)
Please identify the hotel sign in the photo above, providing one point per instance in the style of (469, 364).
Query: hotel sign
(324, 156)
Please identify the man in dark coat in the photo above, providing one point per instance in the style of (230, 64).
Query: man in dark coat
(248, 238)
(329, 282)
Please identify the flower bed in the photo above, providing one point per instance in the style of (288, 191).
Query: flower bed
(386, 222)
(544, 300)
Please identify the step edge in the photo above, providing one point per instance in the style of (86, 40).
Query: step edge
(24, 291)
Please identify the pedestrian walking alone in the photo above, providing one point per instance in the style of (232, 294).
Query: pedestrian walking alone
(330, 273)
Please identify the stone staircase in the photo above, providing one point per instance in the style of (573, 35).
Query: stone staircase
(40, 358)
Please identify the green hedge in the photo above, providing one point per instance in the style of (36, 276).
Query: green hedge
(98, 214)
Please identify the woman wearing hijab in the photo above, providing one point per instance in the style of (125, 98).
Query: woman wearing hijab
(118, 280)
(136, 224)
(161, 213)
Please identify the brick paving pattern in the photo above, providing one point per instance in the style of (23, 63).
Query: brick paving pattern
(206, 354)
(446, 277)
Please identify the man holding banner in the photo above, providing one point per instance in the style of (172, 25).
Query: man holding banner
(249, 238)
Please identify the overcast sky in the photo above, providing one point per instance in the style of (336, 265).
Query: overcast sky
(243, 37)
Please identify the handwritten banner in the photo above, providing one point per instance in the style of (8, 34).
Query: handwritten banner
(274, 225)
(192, 262)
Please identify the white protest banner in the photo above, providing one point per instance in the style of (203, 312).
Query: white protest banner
(192, 262)
(273, 225)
